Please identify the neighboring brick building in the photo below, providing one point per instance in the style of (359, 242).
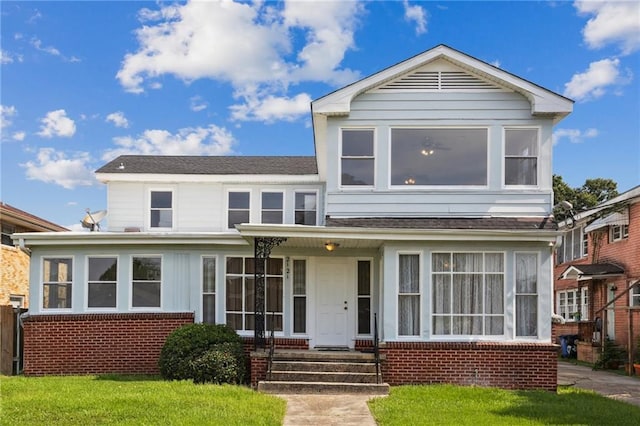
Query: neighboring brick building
(14, 274)
(597, 275)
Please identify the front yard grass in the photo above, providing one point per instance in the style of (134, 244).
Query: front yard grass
(446, 404)
(132, 400)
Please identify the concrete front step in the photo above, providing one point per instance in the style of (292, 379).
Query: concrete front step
(323, 376)
(322, 356)
(354, 367)
(322, 388)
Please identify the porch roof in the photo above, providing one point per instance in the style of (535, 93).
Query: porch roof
(618, 218)
(425, 223)
(591, 271)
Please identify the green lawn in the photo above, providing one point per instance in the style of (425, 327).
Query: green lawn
(132, 400)
(451, 405)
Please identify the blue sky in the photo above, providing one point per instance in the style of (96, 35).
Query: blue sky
(85, 81)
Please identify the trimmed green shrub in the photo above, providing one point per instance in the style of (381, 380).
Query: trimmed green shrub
(183, 353)
(218, 365)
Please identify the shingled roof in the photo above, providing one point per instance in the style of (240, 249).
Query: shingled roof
(489, 223)
(211, 165)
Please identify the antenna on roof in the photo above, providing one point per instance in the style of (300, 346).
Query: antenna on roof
(92, 220)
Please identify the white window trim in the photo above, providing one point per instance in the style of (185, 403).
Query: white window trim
(568, 254)
(537, 294)
(466, 337)
(403, 337)
(635, 294)
(226, 206)
(41, 284)
(623, 232)
(577, 301)
(130, 284)
(371, 299)
(439, 187)
(303, 191)
(86, 281)
(284, 203)
(375, 158)
(504, 158)
(174, 215)
(216, 291)
(289, 264)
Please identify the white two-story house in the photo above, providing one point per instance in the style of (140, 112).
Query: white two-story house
(425, 213)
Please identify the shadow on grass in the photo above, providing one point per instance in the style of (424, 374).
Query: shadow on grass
(571, 406)
(129, 377)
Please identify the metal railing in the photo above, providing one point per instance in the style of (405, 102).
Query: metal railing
(272, 347)
(376, 347)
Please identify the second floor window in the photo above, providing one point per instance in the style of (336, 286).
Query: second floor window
(239, 208)
(635, 295)
(272, 207)
(521, 157)
(305, 208)
(439, 157)
(618, 232)
(357, 157)
(574, 246)
(161, 209)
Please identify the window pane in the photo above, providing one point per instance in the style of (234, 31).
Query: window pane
(526, 273)
(274, 266)
(357, 143)
(494, 262)
(208, 274)
(467, 262)
(305, 218)
(467, 325)
(299, 277)
(364, 277)
(441, 325)
(494, 326)
(305, 201)
(235, 321)
(526, 315)
(521, 171)
(103, 269)
(299, 314)
(161, 199)
(209, 308)
(364, 315)
(467, 294)
(441, 294)
(249, 295)
(357, 171)
(234, 294)
(409, 273)
(439, 156)
(272, 216)
(56, 296)
(494, 294)
(146, 268)
(234, 265)
(58, 270)
(237, 217)
(409, 315)
(161, 218)
(272, 200)
(102, 295)
(274, 294)
(441, 262)
(521, 142)
(238, 200)
(146, 294)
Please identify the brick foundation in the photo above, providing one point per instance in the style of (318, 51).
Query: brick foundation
(97, 343)
(258, 360)
(507, 366)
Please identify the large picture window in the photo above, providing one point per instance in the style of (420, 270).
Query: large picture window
(102, 283)
(209, 290)
(439, 157)
(240, 293)
(239, 208)
(357, 160)
(57, 280)
(161, 209)
(468, 294)
(146, 285)
(521, 156)
(409, 295)
(526, 294)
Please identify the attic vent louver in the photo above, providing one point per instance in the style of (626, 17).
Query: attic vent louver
(439, 80)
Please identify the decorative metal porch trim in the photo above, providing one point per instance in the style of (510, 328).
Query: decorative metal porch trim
(262, 251)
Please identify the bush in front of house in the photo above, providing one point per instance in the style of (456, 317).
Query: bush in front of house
(203, 353)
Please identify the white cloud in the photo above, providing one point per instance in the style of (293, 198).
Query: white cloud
(574, 135)
(5, 57)
(51, 166)
(212, 140)
(416, 14)
(270, 108)
(56, 123)
(615, 22)
(19, 136)
(118, 119)
(496, 63)
(197, 104)
(37, 43)
(191, 41)
(594, 81)
(6, 113)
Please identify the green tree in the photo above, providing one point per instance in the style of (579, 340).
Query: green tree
(593, 192)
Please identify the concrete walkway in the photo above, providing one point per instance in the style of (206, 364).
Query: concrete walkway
(343, 410)
(611, 385)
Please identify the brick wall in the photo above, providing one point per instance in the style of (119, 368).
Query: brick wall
(97, 343)
(258, 360)
(14, 274)
(508, 366)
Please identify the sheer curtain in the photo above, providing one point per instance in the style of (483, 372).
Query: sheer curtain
(409, 295)
(526, 294)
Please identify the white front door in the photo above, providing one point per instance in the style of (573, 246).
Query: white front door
(334, 301)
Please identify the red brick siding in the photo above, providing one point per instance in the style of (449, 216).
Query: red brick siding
(97, 343)
(258, 360)
(507, 366)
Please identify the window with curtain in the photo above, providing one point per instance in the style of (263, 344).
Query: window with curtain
(468, 294)
(299, 296)
(409, 295)
(526, 271)
(567, 304)
(521, 157)
(209, 290)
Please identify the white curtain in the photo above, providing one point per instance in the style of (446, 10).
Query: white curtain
(526, 294)
(409, 295)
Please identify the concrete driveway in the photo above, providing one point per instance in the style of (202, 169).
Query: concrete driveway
(611, 385)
